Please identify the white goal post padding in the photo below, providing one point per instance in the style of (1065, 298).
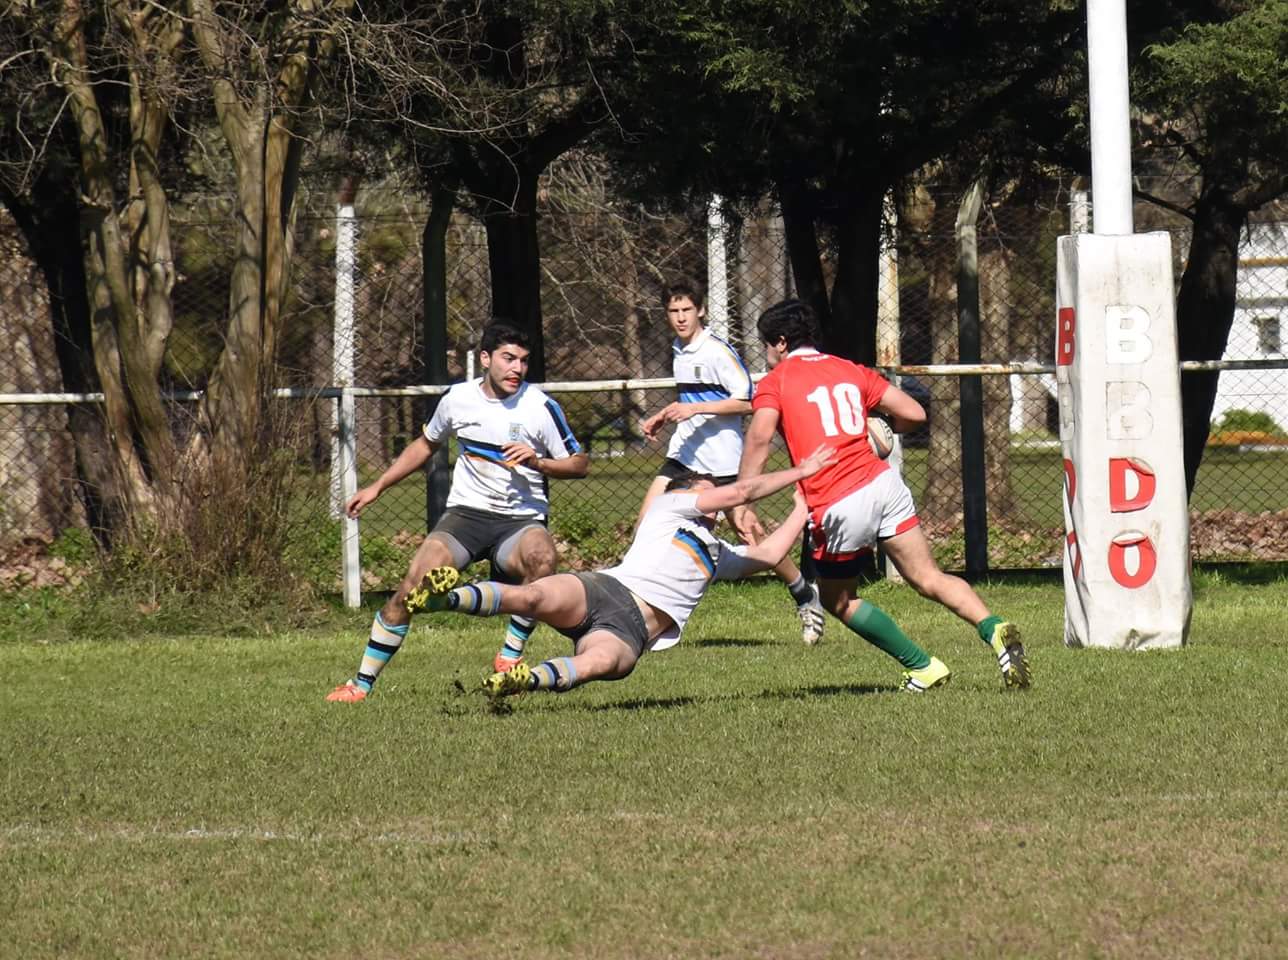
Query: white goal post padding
(1127, 545)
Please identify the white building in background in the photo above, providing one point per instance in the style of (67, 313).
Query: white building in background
(1260, 328)
(1259, 332)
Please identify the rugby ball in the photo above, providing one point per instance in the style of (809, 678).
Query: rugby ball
(880, 436)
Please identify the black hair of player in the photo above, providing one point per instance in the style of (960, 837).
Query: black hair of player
(500, 332)
(790, 320)
(687, 479)
(684, 287)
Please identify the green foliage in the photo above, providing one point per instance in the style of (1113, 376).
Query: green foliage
(76, 546)
(1230, 76)
(1248, 421)
(587, 536)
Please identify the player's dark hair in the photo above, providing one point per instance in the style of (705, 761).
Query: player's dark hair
(687, 479)
(790, 320)
(499, 332)
(684, 287)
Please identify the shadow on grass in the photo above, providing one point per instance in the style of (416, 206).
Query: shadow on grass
(644, 703)
(728, 642)
(1247, 574)
(800, 693)
(830, 690)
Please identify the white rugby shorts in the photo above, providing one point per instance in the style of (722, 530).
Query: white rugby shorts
(851, 526)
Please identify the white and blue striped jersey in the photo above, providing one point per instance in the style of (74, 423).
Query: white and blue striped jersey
(707, 368)
(673, 559)
(483, 427)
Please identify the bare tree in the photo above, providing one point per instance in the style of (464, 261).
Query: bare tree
(132, 84)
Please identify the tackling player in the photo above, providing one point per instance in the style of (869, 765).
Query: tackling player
(614, 616)
(812, 398)
(714, 390)
(512, 438)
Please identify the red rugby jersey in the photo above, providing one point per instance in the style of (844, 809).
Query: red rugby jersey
(821, 398)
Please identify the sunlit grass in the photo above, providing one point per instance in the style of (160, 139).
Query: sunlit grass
(192, 795)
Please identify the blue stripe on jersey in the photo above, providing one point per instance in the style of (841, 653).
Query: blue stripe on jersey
(561, 422)
(688, 539)
(695, 392)
(738, 360)
(476, 448)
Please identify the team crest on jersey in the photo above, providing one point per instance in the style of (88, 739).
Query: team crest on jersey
(516, 432)
(697, 371)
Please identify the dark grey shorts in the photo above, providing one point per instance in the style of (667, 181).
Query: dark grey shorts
(674, 468)
(610, 606)
(473, 535)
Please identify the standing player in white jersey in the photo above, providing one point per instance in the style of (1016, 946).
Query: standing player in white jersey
(714, 394)
(614, 616)
(512, 439)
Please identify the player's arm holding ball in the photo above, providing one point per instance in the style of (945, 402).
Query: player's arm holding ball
(902, 411)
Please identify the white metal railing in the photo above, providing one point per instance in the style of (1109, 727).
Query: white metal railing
(345, 418)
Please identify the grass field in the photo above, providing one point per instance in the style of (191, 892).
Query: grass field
(186, 795)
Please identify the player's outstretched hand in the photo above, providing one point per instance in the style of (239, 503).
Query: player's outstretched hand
(744, 520)
(359, 500)
(650, 425)
(817, 460)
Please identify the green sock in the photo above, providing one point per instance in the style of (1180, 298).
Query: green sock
(873, 624)
(985, 628)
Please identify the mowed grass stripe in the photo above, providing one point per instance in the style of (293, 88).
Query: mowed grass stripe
(740, 795)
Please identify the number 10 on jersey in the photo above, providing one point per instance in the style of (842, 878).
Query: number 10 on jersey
(842, 405)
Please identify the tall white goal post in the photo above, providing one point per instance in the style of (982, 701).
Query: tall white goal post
(1126, 557)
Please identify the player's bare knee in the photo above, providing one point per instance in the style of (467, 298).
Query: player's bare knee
(394, 612)
(621, 665)
(540, 560)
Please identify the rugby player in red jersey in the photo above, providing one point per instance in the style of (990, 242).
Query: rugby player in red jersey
(858, 501)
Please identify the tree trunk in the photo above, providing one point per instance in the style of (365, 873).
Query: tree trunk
(260, 128)
(126, 351)
(1205, 313)
(514, 257)
(434, 267)
(942, 499)
(997, 305)
(802, 247)
(34, 443)
(51, 226)
(854, 292)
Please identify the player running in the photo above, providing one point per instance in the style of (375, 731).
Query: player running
(812, 398)
(513, 438)
(714, 394)
(614, 616)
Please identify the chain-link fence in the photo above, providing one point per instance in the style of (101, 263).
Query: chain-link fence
(604, 268)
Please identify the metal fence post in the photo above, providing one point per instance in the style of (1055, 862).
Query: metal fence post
(974, 480)
(350, 550)
(344, 447)
(888, 349)
(342, 346)
(717, 270)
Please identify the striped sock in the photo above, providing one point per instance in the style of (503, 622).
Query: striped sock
(517, 636)
(384, 643)
(558, 674)
(800, 590)
(479, 599)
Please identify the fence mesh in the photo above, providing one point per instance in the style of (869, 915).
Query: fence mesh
(604, 267)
